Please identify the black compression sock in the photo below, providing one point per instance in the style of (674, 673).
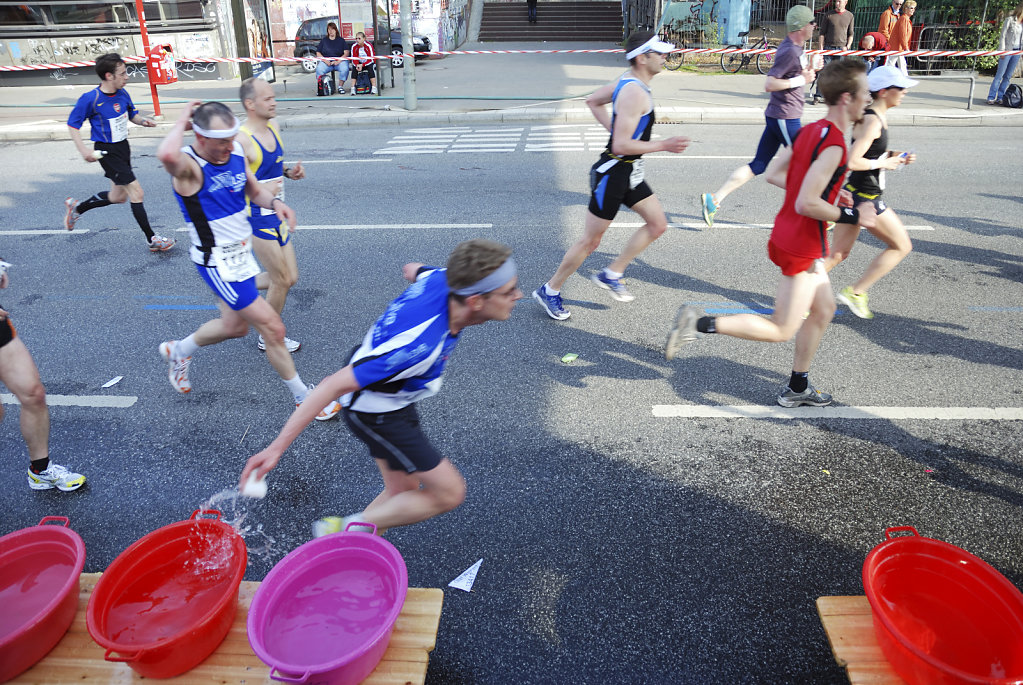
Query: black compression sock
(799, 381)
(97, 200)
(706, 324)
(40, 465)
(139, 210)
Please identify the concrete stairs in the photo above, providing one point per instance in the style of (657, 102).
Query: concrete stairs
(556, 21)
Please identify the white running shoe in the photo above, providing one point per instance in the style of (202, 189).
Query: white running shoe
(292, 345)
(71, 216)
(160, 243)
(55, 476)
(177, 371)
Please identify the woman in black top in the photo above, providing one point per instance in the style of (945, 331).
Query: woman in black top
(869, 159)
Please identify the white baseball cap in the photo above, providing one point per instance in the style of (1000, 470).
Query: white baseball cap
(652, 45)
(888, 76)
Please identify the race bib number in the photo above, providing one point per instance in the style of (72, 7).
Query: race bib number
(118, 128)
(234, 261)
(280, 196)
(636, 177)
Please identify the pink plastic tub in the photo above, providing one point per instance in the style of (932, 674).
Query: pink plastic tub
(39, 572)
(324, 614)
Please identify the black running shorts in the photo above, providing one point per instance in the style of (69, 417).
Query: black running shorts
(610, 189)
(116, 162)
(862, 196)
(7, 333)
(396, 438)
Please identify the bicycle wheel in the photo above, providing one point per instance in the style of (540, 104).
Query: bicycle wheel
(674, 60)
(764, 63)
(731, 62)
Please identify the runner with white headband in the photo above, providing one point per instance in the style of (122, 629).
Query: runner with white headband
(211, 180)
(617, 177)
(401, 361)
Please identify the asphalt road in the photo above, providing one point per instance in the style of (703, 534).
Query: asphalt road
(617, 546)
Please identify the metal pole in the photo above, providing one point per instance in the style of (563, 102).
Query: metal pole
(145, 52)
(409, 63)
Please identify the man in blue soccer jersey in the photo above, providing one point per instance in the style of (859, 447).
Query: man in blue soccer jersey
(401, 361)
(109, 108)
(211, 182)
(264, 152)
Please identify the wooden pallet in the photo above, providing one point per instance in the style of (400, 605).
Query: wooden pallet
(850, 629)
(77, 659)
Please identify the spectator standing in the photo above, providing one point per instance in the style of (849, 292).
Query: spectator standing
(333, 49)
(875, 40)
(836, 33)
(899, 40)
(888, 19)
(1011, 39)
(531, 6)
(362, 60)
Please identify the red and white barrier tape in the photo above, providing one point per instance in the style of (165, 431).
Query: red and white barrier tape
(434, 53)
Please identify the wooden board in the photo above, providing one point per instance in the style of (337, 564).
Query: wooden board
(850, 629)
(77, 659)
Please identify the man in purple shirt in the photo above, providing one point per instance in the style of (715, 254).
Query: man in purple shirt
(785, 81)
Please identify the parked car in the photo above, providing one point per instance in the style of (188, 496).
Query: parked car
(312, 30)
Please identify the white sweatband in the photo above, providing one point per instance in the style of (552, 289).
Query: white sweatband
(875, 163)
(217, 133)
(797, 81)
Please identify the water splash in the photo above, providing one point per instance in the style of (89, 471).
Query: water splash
(213, 553)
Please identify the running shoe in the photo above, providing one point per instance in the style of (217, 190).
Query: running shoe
(373, 90)
(71, 216)
(177, 370)
(340, 91)
(551, 304)
(811, 397)
(615, 285)
(160, 244)
(55, 476)
(292, 345)
(710, 208)
(328, 412)
(857, 304)
(327, 525)
(684, 331)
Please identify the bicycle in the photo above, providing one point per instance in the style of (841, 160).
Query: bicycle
(732, 62)
(673, 33)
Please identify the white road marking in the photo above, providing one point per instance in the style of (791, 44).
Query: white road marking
(115, 401)
(30, 232)
(856, 413)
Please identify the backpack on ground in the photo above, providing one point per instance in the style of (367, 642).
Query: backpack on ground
(1013, 96)
(363, 85)
(325, 84)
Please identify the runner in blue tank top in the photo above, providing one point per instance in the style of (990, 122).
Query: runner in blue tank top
(265, 154)
(211, 181)
(617, 177)
(108, 109)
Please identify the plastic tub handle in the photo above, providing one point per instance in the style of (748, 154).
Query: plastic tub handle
(55, 519)
(289, 679)
(205, 514)
(122, 658)
(899, 529)
(363, 524)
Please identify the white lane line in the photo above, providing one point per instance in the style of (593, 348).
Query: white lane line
(30, 232)
(857, 413)
(700, 224)
(409, 151)
(453, 129)
(115, 401)
(481, 149)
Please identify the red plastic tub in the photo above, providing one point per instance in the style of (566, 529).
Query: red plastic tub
(942, 616)
(39, 572)
(167, 602)
(324, 614)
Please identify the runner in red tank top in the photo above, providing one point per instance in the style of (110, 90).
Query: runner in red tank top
(812, 175)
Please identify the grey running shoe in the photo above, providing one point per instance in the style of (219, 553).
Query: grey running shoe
(55, 476)
(684, 331)
(811, 397)
(615, 285)
(551, 304)
(70, 216)
(159, 243)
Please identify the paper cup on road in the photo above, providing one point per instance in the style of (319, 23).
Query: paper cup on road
(254, 487)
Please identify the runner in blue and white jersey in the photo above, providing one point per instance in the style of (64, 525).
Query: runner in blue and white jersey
(211, 181)
(401, 361)
(617, 177)
(264, 151)
(108, 109)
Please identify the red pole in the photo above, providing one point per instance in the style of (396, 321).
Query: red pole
(145, 51)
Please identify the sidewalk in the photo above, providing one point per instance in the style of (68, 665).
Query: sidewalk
(500, 88)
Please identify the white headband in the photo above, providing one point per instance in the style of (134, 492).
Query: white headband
(652, 45)
(491, 281)
(217, 132)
